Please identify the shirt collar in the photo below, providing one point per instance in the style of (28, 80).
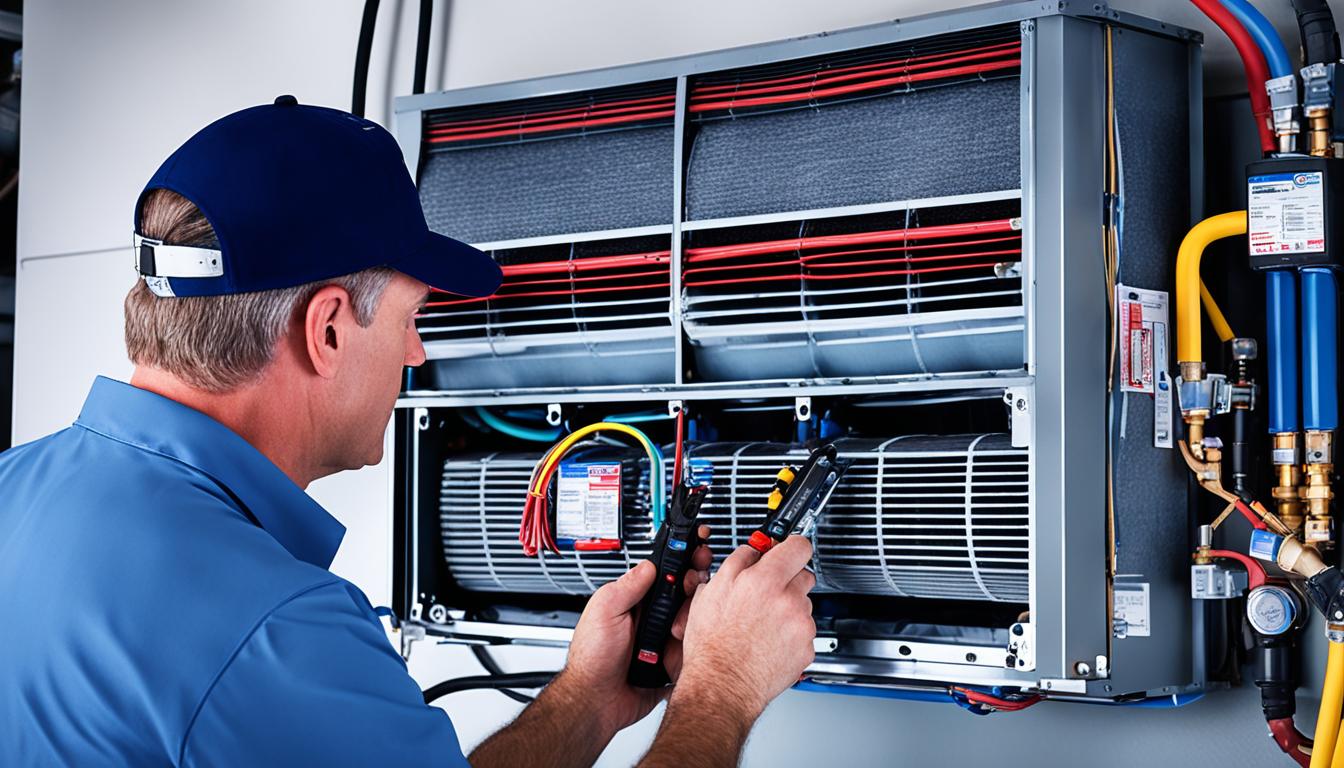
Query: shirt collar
(163, 426)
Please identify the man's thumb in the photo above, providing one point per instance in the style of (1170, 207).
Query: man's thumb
(623, 594)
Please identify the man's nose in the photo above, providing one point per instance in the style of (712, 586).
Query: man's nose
(415, 351)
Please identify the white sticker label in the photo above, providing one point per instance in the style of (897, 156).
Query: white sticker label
(1131, 607)
(1285, 213)
(588, 501)
(1142, 338)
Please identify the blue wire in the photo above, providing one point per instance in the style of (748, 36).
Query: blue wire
(1264, 34)
(548, 435)
(637, 418)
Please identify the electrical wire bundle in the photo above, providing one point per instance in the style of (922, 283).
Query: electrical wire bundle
(535, 531)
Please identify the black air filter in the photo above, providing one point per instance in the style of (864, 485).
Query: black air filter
(931, 118)
(579, 162)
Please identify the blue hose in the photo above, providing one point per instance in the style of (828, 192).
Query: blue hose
(638, 418)
(1264, 34)
(492, 421)
(1281, 348)
(1320, 364)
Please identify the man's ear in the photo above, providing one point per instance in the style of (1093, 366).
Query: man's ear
(326, 324)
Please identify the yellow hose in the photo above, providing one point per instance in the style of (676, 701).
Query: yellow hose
(1188, 285)
(1215, 314)
(1327, 719)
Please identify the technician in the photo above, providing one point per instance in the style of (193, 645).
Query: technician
(163, 575)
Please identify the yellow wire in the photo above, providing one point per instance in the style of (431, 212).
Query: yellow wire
(1215, 314)
(563, 446)
(1188, 346)
(1327, 719)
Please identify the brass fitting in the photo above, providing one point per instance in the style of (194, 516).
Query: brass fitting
(1194, 433)
(1316, 492)
(1192, 370)
(1205, 544)
(1288, 471)
(1318, 121)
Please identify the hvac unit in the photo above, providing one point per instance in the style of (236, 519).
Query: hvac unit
(893, 238)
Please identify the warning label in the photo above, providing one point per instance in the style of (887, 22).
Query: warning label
(1285, 213)
(1142, 335)
(588, 501)
(1131, 610)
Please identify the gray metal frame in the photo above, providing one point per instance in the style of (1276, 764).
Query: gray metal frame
(1062, 130)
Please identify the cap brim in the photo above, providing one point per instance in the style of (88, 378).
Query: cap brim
(452, 266)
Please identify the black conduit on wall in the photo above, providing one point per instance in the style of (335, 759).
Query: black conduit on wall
(422, 45)
(362, 52)
(1320, 42)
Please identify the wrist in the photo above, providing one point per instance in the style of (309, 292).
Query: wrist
(569, 693)
(726, 694)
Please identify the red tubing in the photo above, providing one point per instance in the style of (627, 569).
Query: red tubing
(711, 253)
(1290, 740)
(584, 123)
(1255, 572)
(1257, 72)
(450, 125)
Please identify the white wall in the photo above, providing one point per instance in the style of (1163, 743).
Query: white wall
(111, 88)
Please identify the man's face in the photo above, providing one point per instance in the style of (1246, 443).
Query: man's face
(377, 355)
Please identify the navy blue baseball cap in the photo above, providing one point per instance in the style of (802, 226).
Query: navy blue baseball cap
(297, 194)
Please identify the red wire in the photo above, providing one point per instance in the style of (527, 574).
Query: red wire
(681, 432)
(588, 263)
(714, 252)
(586, 123)
(847, 276)
(1250, 516)
(451, 126)
(1255, 572)
(589, 279)
(1290, 740)
(863, 263)
(901, 248)
(828, 77)
(1016, 46)
(530, 294)
(841, 90)
(1257, 72)
(1004, 705)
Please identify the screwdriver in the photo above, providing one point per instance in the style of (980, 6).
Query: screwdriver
(672, 549)
(798, 497)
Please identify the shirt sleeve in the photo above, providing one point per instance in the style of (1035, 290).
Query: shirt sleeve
(317, 683)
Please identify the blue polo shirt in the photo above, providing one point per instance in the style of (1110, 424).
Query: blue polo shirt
(166, 601)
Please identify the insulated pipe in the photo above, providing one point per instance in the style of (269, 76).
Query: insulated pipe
(1189, 348)
(1320, 317)
(1320, 42)
(1327, 719)
(1256, 70)
(1265, 36)
(1281, 343)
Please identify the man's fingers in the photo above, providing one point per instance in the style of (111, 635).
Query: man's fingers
(622, 595)
(785, 560)
(679, 623)
(803, 582)
(692, 581)
(701, 558)
(741, 558)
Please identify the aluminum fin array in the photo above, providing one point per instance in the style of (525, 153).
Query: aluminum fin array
(916, 516)
(915, 300)
(563, 315)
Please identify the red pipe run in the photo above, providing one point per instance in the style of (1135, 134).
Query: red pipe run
(1257, 72)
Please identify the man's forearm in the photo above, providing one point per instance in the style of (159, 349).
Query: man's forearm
(557, 730)
(705, 725)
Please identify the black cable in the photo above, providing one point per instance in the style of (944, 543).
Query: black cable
(422, 45)
(1320, 42)
(362, 52)
(492, 667)
(512, 680)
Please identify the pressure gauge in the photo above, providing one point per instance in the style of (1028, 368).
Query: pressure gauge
(1271, 610)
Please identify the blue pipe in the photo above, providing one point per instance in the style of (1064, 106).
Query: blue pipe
(1281, 348)
(1264, 34)
(548, 435)
(638, 418)
(1320, 339)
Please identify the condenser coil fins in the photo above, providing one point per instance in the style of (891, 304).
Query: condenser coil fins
(595, 313)
(926, 517)
(929, 118)
(579, 162)
(912, 292)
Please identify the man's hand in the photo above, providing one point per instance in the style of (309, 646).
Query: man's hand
(599, 654)
(748, 638)
(575, 716)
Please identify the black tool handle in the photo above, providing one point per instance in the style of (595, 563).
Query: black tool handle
(672, 555)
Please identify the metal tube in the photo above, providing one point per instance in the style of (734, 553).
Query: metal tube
(1320, 318)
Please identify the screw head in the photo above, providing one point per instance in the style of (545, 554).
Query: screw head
(1082, 668)
(1021, 404)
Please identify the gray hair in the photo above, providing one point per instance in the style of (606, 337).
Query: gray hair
(217, 343)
